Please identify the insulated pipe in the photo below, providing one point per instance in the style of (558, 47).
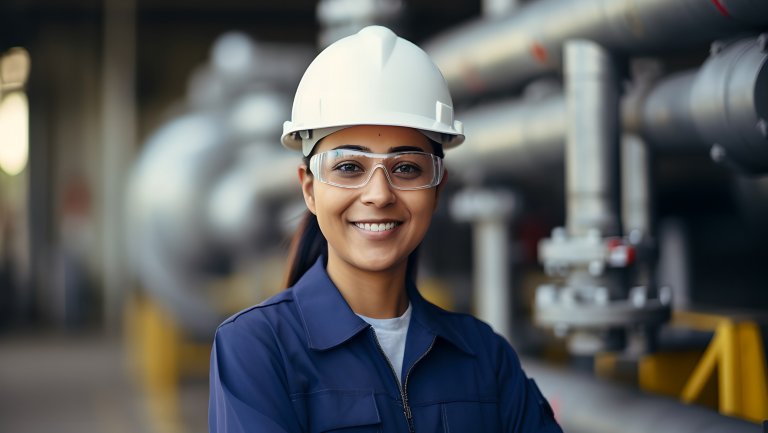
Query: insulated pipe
(490, 213)
(665, 116)
(723, 104)
(118, 147)
(498, 8)
(521, 139)
(487, 55)
(341, 18)
(732, 115)
(685, 112)
(635, 188)
(174, 240)
(195, 201)
(636, 213)
(592, 106)
(577, 398)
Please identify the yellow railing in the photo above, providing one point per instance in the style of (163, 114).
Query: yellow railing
(735, 356)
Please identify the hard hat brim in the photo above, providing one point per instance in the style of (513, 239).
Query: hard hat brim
(447, 135)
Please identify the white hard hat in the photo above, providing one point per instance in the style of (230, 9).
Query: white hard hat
(373, 77)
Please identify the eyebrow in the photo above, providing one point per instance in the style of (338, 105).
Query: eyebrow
(353, 147)
(391, 149)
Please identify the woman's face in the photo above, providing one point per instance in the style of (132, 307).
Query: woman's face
(343, 213)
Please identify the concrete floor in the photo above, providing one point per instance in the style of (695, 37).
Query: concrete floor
(81, 384)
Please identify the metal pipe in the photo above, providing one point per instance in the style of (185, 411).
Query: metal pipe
(665, 116)
(487, 55)
(490, 212)
(592, 106)
(731, 115)
(341, 18)
(719, 103)
(581, 252)
(491, 272)
(119, 144)
(635, 188)
(519, 138)
(498, 8)
(187, 221)
(578, 398)
(636, 213)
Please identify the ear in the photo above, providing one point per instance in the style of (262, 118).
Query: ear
(307, 187)
(439, 187)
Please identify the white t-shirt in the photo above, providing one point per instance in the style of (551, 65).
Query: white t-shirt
(391, 334)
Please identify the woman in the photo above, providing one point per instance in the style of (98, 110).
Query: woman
(351, 345)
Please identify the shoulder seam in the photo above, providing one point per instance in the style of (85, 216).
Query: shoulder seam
(265, 304)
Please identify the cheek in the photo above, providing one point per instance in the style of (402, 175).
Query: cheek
(328, 206)
(422, 208)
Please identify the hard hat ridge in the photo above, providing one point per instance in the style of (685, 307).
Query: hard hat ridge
(380, 40)
(373, 77)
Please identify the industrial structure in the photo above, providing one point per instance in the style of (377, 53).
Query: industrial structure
(607, 213)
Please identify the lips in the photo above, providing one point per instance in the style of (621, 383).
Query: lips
(377, 227)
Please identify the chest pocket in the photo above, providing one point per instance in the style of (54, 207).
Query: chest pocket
(470, 416)
(348, 411)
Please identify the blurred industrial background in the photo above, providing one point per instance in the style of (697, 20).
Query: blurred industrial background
(607, 213)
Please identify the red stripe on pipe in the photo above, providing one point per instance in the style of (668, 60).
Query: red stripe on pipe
(539, 52)
(721, 8)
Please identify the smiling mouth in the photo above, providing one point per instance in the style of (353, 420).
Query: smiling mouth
(377, 227)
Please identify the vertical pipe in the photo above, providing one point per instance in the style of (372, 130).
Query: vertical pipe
(489, 211)
(635, 188)
(591, 165)
(592, 113)
(491, 274)
(636, 224)
(119, 138)
(674, 261)
(498, 8)
(636, 210)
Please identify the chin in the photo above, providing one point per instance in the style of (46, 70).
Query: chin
(378, 263)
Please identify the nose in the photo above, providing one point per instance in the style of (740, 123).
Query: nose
(378, 192)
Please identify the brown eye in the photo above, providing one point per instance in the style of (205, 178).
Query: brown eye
(347, 168)
(407, 169)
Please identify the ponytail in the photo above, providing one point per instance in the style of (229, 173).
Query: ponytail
(307, 245)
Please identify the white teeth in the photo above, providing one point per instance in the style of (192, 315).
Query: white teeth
(376, 227)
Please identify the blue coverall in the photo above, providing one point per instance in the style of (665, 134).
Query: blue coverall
(302, 361)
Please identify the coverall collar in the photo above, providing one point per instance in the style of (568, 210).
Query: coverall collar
(329, 321)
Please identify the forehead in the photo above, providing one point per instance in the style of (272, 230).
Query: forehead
(379, 139)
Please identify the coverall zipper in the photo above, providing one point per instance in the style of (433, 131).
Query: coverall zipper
(404, 388)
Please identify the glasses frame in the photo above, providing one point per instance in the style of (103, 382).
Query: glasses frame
(314, 168)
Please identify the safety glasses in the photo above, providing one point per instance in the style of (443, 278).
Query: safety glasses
(347, 168)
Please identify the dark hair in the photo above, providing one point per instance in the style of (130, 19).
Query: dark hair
(308, 243)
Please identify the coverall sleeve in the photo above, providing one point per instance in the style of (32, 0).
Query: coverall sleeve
(248, 391)
(523, 408)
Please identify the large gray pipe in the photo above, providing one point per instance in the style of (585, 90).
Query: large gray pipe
(586, 405)
(196, 202)
(723, 102)
(487, 55)
(521, 139)
(591, 142)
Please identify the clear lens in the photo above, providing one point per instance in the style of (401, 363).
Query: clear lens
(348, 168)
